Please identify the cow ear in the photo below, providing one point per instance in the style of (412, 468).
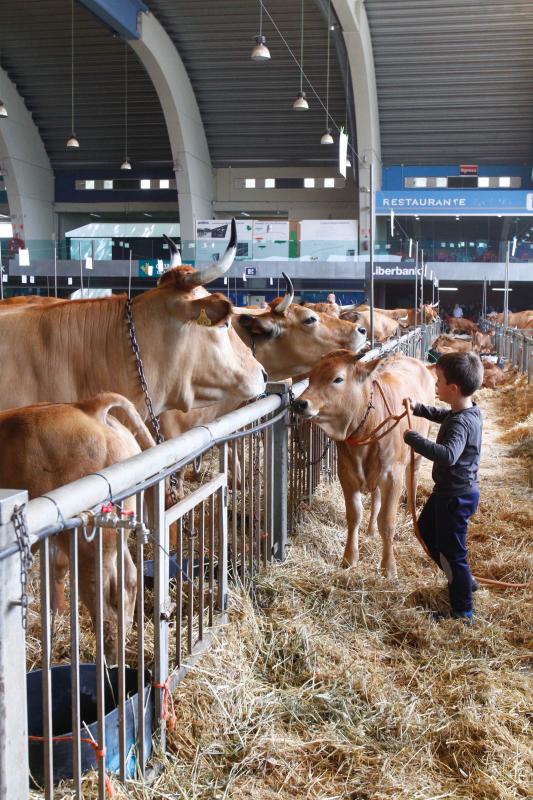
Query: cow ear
(211, 311)
(263, 325)
(366, 368)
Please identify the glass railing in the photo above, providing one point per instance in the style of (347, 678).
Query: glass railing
(152, 256)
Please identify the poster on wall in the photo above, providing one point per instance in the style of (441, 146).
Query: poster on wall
(212, 236)
(328, 239)
(271, 239)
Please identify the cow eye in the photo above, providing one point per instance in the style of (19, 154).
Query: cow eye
(338, 379)
(309, 320)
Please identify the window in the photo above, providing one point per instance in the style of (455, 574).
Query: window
(421, 183)
(309, 183)
(441, 183)
(329, 183)
(164, 184)
(108, 184)
(483, 182)
(89, 184)
(145, 183)
(505, 182)
(270, 183)
(249, 183)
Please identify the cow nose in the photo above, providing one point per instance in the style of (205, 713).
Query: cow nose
(362, 331)
(265, 376)
(300, 406)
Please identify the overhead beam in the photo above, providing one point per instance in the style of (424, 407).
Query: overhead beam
(188, 142)
(28, 175)
(354, 22)
(122, 16)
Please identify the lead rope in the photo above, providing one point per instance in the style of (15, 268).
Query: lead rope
(159, 438)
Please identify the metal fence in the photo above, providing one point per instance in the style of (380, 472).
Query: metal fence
(515, 348)
(152, 615)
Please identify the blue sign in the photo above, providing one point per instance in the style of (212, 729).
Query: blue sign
(452, 202)
(251, 270)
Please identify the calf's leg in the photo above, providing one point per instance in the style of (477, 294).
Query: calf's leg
(391, 489)
(354, 515)
(375, 505)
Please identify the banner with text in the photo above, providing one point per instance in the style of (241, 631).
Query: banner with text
(448, 202)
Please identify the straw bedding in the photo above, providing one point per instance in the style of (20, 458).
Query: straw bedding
(334, 683)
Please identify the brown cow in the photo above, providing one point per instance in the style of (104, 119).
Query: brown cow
(287, 339)
(343, 398)
(407, 317)
(384, 326)
(460, 325)
(483, 342)
(494, 376)
(449, 344)
(517, 319)
(64, 352)
(28, 300)
(47, 445)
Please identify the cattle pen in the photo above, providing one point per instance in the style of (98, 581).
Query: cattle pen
(220, 535)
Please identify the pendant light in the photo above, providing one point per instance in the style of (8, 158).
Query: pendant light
(3, 109)
(260, 51)
(72, 142)
(327, 138)
(300, 103)
(126, 163)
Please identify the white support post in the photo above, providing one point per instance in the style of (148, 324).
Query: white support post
(14, 769)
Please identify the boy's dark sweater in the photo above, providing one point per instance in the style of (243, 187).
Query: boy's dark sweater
(457, 450)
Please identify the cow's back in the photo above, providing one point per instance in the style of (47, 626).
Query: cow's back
(47, 445)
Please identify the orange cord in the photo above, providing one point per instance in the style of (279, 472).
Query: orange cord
(99, 753)
(168, 702)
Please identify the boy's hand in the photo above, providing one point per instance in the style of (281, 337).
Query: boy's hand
(412, 403)
(405, 433)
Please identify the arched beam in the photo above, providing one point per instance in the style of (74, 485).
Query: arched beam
(188, 142)
(354, 23)
(28, 175)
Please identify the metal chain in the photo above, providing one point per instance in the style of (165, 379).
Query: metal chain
(159, 438)
(26, 559)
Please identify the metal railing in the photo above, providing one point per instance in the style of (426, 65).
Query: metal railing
(142, 636)
(515, 348)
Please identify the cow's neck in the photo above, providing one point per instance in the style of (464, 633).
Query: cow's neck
(163, 351)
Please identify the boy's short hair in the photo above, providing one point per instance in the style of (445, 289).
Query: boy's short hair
(463, 369)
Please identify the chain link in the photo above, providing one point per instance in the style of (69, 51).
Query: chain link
(159, 438)
(26, 559)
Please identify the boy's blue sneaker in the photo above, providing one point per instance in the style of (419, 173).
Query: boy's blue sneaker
(466, 616)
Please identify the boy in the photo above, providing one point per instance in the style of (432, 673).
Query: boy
(444, 519)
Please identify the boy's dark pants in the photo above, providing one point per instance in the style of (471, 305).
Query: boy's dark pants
(443, 525)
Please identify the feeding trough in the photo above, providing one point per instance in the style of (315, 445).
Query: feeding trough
(173, 569)
(62, 721)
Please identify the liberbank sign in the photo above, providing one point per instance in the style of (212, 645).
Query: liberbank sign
(450, 202)
(387, 271)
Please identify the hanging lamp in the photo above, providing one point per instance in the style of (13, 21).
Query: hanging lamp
(327, 138)
(260, 51)
(72, 141)
(126, 163)
(300, 103)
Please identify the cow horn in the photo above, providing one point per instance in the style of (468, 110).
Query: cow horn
(289, 296)
(403, 319)
(350, 307)
(434, 305)
(175, 260)
(217, 268)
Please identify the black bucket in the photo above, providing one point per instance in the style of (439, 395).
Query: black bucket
(62, 721)
(148, 570)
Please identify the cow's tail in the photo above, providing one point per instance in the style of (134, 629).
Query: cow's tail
(101, 404)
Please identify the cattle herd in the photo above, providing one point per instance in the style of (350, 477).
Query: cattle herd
(72, 369)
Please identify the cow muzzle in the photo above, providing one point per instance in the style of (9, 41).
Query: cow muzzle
(304, 408)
